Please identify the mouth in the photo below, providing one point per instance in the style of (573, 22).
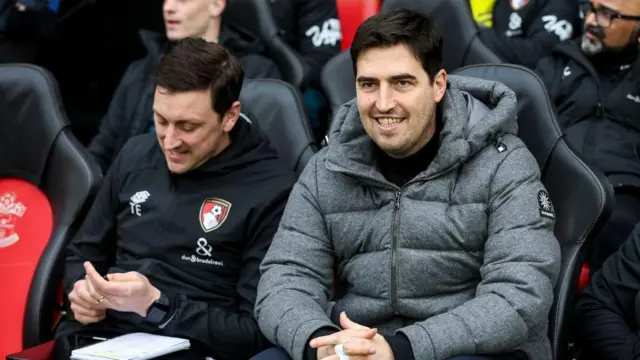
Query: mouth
(172, 23)
(176, 155)
(388, 123)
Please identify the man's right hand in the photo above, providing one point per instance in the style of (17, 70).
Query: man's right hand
(86, 304)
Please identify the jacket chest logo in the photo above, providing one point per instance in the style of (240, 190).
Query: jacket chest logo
(213, 213)
(136, 202)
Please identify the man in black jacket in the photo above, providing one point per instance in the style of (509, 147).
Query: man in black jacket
(608, 311)
(184, 217)
(311, 27)
(524, 31)
(594, 84)
(130, 112)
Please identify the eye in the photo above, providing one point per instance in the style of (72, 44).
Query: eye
(186, 127)
(403, 83)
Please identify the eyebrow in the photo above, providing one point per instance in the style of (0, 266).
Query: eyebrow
(189, 120)
(404, 76)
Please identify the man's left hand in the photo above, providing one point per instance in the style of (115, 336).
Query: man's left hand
(125, 292)
(356, 348)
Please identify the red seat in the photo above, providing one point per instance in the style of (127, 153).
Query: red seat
(352, 13)
(47, 181)
(26, 223)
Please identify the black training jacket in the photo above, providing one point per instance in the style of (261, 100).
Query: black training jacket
(598, 101)
(526, 34)
(199, 237)
(313, 29)
(608, 311)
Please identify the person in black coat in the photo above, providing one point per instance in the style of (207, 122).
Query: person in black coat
(608, 311)
(594, 84)
(524, 31)
(130, 112)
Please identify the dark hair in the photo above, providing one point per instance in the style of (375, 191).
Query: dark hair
(401, 26)
(195, 64)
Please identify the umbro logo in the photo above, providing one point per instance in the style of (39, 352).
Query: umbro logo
(136, 200)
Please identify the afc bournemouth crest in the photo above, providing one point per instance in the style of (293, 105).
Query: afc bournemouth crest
(10, 211)
(518, 4)
(213, 213)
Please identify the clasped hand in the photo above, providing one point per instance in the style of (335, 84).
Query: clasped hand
(125, 292)
(359, 343)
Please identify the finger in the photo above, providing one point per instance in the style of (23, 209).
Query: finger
(85, 320)
(79, 310)
(355, 357)
(108, 288)
(94, 294)
(346, 323)
(342, 337)
(130, 276)
(359, 346)
(76, 298)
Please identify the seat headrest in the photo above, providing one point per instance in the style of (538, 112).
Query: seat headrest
(278, 110)
(461, 45)
(251, 18)
(31, 117)
(537, 124)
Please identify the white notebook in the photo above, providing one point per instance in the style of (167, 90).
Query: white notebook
(135, 346)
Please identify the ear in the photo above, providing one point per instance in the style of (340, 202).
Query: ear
(216, 7)
(439, 85)
(230, 117)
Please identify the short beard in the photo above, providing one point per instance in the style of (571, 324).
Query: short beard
(591, 47)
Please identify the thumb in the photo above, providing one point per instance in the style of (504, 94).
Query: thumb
(347, 324)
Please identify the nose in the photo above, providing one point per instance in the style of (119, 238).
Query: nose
(385, 101)
(170, 138)
(590, 19)
(168, 6)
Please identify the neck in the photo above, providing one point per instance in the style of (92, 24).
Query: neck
(213, 32)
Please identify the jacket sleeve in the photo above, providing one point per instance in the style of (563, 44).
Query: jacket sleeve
(114, 123)
(320, 35)
(521, 264)
(233, 335)
(552, 24)
(96, 239)
(606, 310)
(294, 290)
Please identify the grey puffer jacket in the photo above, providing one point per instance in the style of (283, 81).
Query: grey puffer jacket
(461, 260)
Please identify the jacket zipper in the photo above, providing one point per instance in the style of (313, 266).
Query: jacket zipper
(394, 236)
(394, 268)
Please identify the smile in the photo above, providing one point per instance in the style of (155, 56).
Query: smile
(389, 121)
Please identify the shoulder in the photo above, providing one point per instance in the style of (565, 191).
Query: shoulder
(139, 153)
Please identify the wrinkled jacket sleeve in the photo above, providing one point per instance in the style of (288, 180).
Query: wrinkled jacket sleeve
(521, 265)
(114, 123)
(606, 310)
(554, 23)
(297, 271)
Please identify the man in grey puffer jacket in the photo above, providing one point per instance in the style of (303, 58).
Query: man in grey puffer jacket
(429, 209)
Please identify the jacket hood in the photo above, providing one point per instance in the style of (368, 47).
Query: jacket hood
(249, 146)
(475, 114)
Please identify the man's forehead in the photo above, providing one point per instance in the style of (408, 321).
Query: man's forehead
(623, 6)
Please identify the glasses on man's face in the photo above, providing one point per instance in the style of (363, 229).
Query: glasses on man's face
(604, 15)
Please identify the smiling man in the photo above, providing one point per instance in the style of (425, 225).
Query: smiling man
(184, 217)
(428, 208)
(594, 83)
(130, 112)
